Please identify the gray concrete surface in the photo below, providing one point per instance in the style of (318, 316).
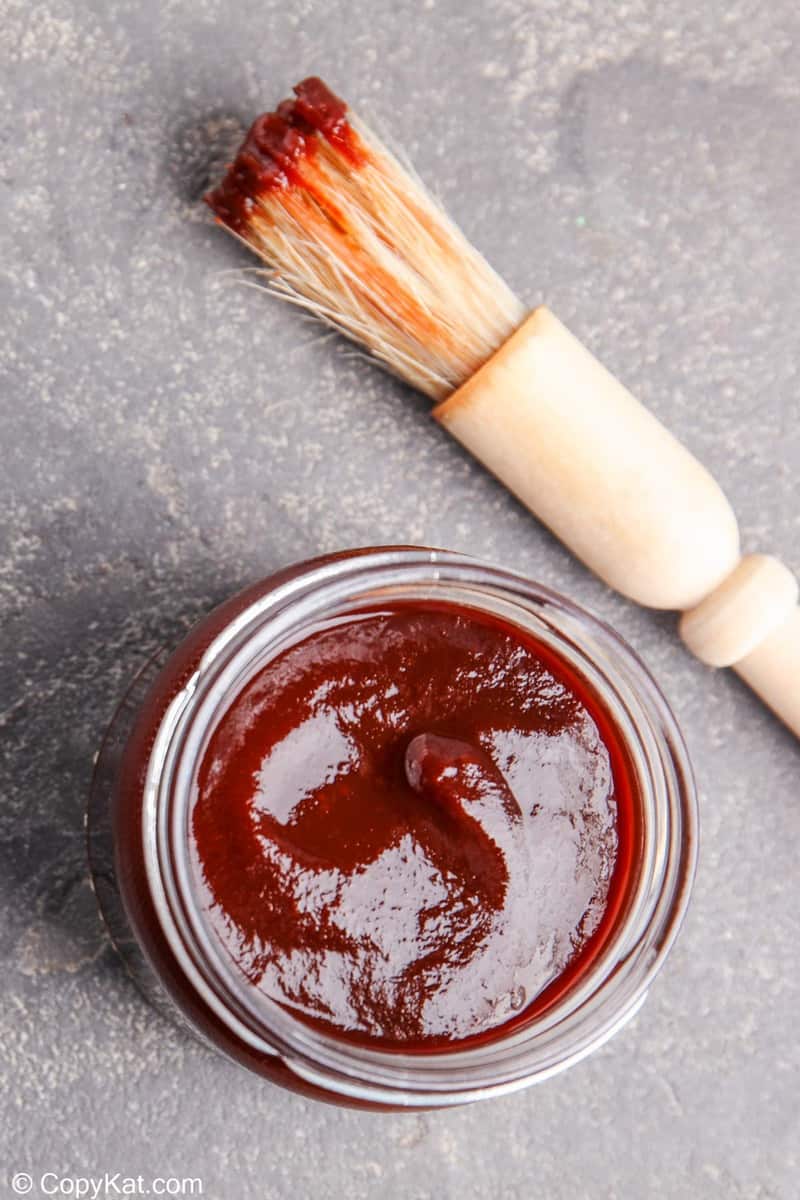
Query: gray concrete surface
(168, 435)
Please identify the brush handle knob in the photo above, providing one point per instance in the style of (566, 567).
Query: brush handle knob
(751, 622)
(622, 492)
(744, 610)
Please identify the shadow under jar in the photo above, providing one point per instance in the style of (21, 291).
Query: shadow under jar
(395, 828)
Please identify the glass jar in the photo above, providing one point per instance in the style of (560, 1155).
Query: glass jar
(140, 810)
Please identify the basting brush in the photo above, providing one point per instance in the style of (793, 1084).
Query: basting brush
(352, 236)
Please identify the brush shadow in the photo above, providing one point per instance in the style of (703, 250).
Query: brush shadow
(200, 147)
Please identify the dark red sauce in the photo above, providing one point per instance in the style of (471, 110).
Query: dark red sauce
(276, 146)
(414, 827)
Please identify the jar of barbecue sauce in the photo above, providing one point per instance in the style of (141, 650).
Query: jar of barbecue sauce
(395, 828)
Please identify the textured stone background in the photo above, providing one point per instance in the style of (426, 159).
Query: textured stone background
(168, 435)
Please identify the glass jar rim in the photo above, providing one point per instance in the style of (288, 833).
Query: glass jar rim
(612, 989)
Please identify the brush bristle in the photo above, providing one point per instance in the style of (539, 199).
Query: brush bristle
(353, 237)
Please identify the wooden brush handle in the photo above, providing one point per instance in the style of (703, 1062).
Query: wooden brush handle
(617, 488)
(751, 622)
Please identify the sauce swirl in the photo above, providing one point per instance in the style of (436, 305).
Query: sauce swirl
(415, 826)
